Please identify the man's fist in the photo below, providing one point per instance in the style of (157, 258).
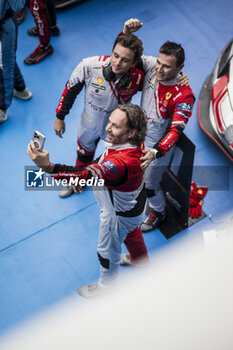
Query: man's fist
(59, 127)
(132, 25)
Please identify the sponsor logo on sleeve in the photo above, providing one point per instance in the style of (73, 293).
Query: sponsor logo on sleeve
(182, 114)
(186, 107)
(109, 166)
(152, 82)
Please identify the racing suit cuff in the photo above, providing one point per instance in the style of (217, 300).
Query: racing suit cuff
(154, 151)
(61, 117)
(157, 151)
(49, 169)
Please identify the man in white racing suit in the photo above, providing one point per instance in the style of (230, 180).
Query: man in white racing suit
(123, 197)
(108, 81)
(168, 107)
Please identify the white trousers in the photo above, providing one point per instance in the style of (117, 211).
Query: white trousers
(112, 233)
(152, 178)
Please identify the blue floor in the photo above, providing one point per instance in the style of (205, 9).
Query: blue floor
(48, 245)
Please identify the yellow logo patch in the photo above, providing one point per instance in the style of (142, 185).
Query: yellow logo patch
(129, 85)
(100, 80)
(168, 95)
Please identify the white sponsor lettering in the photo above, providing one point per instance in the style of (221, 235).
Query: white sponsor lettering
(37, 18)
(177, 96)
(139, 79)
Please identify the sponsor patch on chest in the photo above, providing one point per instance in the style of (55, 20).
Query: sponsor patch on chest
(98, 86)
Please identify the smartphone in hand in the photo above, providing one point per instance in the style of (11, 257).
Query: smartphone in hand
(39, 140)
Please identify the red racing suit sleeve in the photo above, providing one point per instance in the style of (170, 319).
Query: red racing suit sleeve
(182, 111)
(112, 170)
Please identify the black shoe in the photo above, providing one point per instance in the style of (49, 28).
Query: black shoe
(153, 220)
(39, 54)
(55, 31)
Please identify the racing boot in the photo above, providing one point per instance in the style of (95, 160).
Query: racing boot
(125, 260)
(153, 220)
(55, 31)
(39, 54)
(93, 290)
(66, 191)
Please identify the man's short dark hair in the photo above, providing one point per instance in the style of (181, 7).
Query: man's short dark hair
(131, 42)
(170, 48)
(136, 120)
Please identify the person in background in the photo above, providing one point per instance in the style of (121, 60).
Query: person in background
(44, 14)
(123, 197)
(11, 79)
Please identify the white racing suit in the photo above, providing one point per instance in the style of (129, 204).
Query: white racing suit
(101, 98)
(121, 202)
(168, 107)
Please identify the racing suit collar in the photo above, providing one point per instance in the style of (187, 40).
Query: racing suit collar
(119, 147)
(170, 82)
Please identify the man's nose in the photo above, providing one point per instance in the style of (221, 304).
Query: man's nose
(159, 68)
(118, 61)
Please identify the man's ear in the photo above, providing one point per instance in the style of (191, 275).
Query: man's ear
(132, 133)
(180, 68)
